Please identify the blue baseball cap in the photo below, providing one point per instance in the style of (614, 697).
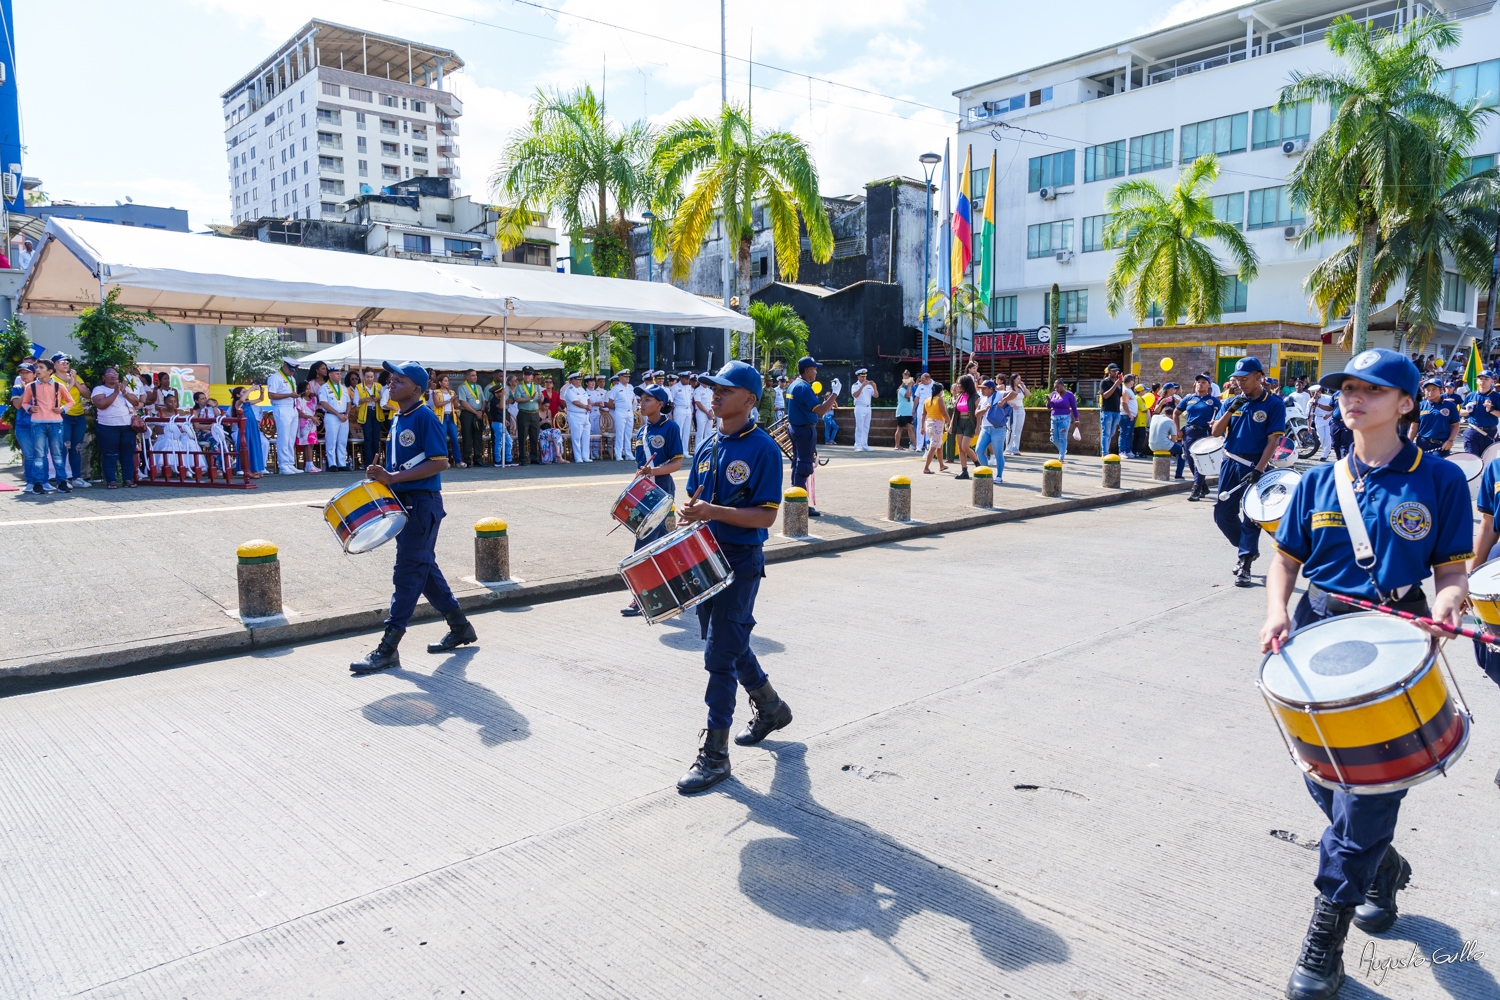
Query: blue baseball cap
(805, 362)
(1247, 365)
(1379, 366)
(738, 375)
(408, 369)
(656, 392)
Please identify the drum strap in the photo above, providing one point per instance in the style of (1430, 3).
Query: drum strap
(1359, 534)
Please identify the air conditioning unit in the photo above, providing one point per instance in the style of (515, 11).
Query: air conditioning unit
(1293, 146)
(1158, 320)
(8, 186)
(1064, 256)
(1048, 194)
(1291, 232)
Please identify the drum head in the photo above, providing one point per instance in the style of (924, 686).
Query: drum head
(1485, 581)
(375, 534)
(1345, 658)
(1203, 446)
(1491, 453)
(1472, 465)
(1268, 499)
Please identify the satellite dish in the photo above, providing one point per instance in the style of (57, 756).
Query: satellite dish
(1044, 334)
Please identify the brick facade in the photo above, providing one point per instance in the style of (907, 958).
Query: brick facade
(1195, 349)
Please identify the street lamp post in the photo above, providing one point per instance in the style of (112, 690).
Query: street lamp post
(929, 163)
(650, 327)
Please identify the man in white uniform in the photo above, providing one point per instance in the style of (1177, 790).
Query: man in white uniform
(282, 388)
(596, 406)
(921, 393)
(703, 412)
(333, 400)
(622, 408)
(863, 391)
(778, 402)
(1321, 407)
(681, 391)
(576, 399)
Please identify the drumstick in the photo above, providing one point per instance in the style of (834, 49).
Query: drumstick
(1489, 638)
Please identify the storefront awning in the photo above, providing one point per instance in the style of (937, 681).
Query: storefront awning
(1076, 342)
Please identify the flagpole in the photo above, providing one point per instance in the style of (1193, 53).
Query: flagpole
(945, 254)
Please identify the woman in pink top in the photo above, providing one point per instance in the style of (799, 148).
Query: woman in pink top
(45, 400)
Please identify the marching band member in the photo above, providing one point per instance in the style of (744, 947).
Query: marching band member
(1255, 419)
(1414, 520)
(1440, 421)
(735, 482)
(803, 413)
(1482, 408)
(658, 454)
(1195, 413)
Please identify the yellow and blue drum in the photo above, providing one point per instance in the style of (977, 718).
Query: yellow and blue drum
(1362, 704)
(1484, 592)
(364, 516)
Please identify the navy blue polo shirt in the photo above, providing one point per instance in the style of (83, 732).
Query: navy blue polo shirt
(800, 401)
(746, 472)
(1198, 410)
(417, 432)
(656, 445)
(1416, 510)
(1489, 488)
(1479, 416)
(1252, 424)
(1437, 420)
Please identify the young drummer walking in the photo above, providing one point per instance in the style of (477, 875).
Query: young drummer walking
(735, 489)
(1411, 519)
(416, 479)
(658, 454)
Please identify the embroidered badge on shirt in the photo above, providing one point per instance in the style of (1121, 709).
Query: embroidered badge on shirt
(407, 438)
(737, 472)
(657, 440)
(1411, 521)
(1259, 416)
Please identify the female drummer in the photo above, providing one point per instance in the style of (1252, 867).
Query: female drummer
(1416, 513)
(658, 453)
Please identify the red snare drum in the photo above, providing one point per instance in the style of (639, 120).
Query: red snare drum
(642, 507)
(675, 573)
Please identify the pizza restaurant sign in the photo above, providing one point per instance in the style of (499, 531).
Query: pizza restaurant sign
(1018, 342)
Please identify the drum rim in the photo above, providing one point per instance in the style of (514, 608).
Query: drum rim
(374, 496)
(699, 599)
(1392, 690)
(1428, 772)
(1215, 440)
(1495, 596)
(640, 555)
(1275, 475)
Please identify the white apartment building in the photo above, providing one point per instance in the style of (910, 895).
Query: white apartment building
(337, 112)
(1068, 131)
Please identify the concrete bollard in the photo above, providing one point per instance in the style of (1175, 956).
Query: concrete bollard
(259, 579)
(984, 486)
(1161, 466)
(898, 501)
(491, 551)
(1111, 474)
(1052, 478)
(794, 513)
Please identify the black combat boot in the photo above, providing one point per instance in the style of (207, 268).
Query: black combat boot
(1378, 911)
(1242, 572)
(771, 714)
(712, 765)
(1320, 967)
(384, 655)
(460, 633)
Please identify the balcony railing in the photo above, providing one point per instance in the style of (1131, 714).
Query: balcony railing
(447, 149)
(447, 125)
(452, 171)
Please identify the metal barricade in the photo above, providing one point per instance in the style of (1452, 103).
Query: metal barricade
(199, 466)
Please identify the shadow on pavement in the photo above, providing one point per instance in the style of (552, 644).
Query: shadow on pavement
(448, 694)
(838, 874)
(1440, 945)
(687, 635)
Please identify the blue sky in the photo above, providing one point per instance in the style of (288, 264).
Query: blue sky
(122, 99)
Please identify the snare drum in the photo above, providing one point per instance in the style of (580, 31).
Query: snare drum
(1207, 454)
(1362, 704)
(1265, 501)
(1491, 453)
(1472, 465)
(1285, 455)
(364, 516)
(1484, 592)
(676, 572)
(642, 507)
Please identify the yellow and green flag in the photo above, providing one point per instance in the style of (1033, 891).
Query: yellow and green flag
(986, 251)
(1471, 368)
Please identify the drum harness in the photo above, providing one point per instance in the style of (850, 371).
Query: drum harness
(1359, 534)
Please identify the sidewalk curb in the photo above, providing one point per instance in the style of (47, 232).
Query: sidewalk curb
(226, 642)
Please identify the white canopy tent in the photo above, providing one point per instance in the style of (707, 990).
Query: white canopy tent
(442, 353)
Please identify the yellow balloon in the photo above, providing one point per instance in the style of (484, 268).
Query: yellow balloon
(817, 387)
(1166, 364)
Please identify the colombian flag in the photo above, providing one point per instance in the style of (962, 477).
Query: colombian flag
(1471, 368)
(963, 228)
(987, 239)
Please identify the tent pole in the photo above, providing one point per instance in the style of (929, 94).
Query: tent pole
(505, 388)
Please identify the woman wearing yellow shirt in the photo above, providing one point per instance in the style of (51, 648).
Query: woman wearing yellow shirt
(442, 405)
(371, 415)
(935, 423)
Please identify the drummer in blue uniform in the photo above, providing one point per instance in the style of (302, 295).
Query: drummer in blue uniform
(1196, 413)
(1252, 424)
(1438, 426)
(803, 414)
(415, 460)
(1416, 514)
(1487, 503)
(1482, 408)
(735, 483)
(658, 454)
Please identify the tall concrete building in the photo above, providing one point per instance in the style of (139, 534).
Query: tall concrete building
(1068, 131)
(337, 112)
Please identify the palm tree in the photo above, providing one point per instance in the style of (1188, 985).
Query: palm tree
(570, 158)
(1374, 163)
(779, 331)
(1164, 259)
(732, 167)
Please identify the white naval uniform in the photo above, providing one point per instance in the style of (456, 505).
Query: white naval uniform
(702, 422)
(284, 412)
(624, 418)
(596, 396)
(577, 400)
(335, 431)
(862, 394)
(682, 410)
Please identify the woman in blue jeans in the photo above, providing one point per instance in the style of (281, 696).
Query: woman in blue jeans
(994, 424)
(1063, 406)
(25, 437)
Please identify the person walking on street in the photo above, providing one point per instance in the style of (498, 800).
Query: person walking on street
(934, 424)
(965, 423)
(1062, 408)
(904, 413)
(1252, 424)
(994, 421)
(803, 413)
(864, 392)
(1017, 414)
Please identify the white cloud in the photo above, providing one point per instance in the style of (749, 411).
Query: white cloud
(1189, 10)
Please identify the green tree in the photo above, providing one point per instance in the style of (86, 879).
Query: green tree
(779, 332)
(603, 353)
(107, 337)
(1163, 257)
(732, 167)
(250, 351)
(1375, 161)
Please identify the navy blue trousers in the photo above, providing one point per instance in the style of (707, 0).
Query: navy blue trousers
(1191, 433)
(1360, 827)
(803, 447)
(726, 620)
(1242, 532)
(1476, 440)
(416, 573)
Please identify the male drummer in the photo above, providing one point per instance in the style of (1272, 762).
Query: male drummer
(735, 482)
(658, 454)
(416, 434)
(1195, 412)
(1482, 408)
(1251, 423)
(1438, 426)
(1484, 548)
(1416, 516)
(803, 413)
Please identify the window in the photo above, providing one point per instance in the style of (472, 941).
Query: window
(1002, 312)
(461, 246)
(388, 101)
(1100, 163)
(1478, 164)
(529, 253)
(331, 163)
(419, 106)
(1455, 293)
(1232, 293)
(441, 218)
(270, 119)
(412, 243)
(419, 154)
(327, 117)
(1220, 136)
(419, 132)
(1093, 234)
(355, 94)
(1270, 129)
(364, 168)
(307, 190)
(301, 97)
(392, 149)
(388, 126)
(327, 186)
(1041, 96)
(359, 119)
(405, 150)
(1048, 238)
(329, 208)
(1072, 307)
(1052, 170)
(1272, 207)
(1150, 152)
(360, 143)
(389, 173)
(1230, 208)
(332, 89)
(1476, 83)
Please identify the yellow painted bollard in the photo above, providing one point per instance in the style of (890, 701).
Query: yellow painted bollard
(1111, 474)
(259, 579)
(1052, 478)
(984, 486)
(1161, 466)
(794, 513)
(898, 501)
(491, 551)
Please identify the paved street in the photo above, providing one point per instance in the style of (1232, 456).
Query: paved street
(1027, 761)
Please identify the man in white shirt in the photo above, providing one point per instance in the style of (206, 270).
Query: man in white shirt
(1297, 402)
(703, 412)
(778, 401)
(921, 393)
(333, 400)
(576, 398)
(282, 388)
(680, 388)
(621, 403)
(863, 391)
(596, 406)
